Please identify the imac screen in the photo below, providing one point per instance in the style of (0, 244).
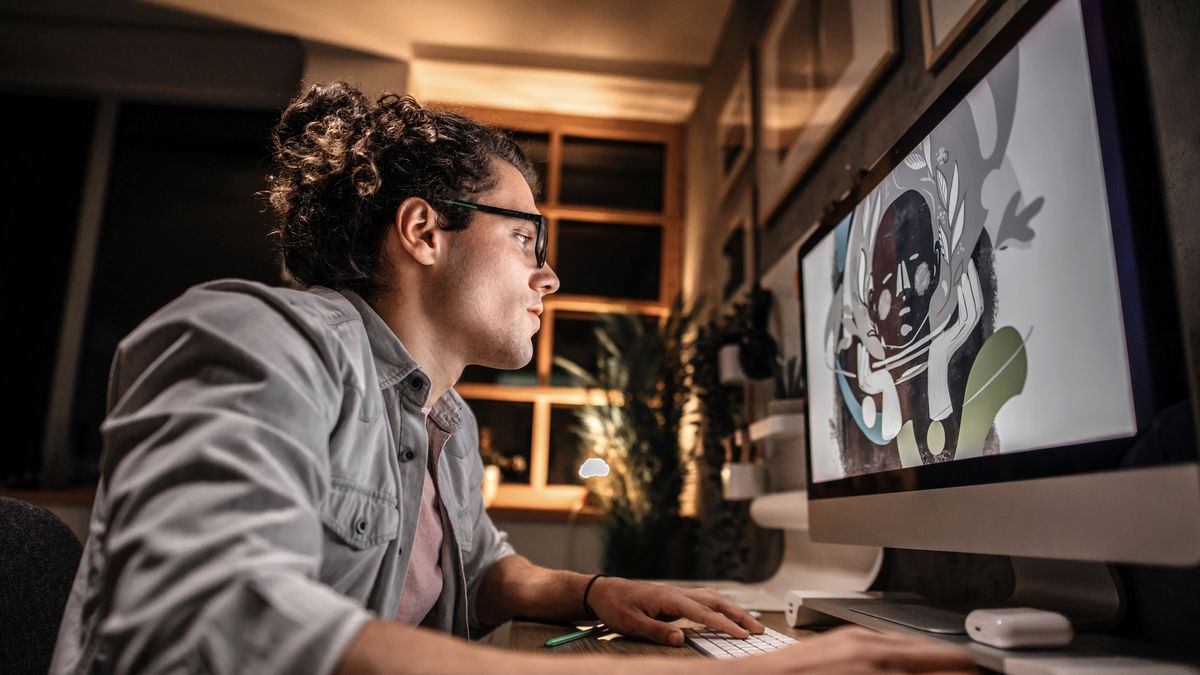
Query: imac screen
(969, 304)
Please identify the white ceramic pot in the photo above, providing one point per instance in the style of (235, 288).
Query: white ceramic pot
(729, 365)
(741, 480)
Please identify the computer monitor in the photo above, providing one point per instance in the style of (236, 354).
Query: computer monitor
(990, 323)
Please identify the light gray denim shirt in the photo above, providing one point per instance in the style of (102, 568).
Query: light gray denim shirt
(264, 453)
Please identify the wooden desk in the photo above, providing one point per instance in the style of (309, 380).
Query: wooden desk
(532, 636)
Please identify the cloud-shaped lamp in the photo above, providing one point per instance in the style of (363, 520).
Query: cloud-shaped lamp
(594, 466)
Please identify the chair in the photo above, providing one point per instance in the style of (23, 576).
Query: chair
(38, 558)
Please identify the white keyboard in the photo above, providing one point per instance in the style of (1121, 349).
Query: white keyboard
(723, 646)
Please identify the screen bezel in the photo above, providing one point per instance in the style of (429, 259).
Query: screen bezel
(1142, 255)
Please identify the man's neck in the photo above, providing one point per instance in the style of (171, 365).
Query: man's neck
(420, 337)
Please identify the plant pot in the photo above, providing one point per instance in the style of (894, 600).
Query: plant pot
(729, 365)
(741, 480)
(785, 406)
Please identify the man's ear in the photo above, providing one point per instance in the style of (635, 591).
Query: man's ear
(416, 231)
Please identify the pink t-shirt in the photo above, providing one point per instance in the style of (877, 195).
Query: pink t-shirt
(423, 584)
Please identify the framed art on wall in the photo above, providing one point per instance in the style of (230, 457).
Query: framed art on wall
(735, 141)
(738, 265)
(946, 23)
(818, 61)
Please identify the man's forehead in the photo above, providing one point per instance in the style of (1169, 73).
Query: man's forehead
(510, 187)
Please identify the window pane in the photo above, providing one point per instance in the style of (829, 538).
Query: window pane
(505, 436)
(575, 340)
(619, 261)
(567, 452)
(613, 174)
(536, 147)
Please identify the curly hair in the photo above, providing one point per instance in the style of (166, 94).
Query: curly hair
(343, 165)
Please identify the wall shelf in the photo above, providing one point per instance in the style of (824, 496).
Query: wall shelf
(774, 426)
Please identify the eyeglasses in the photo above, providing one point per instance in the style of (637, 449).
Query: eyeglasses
(539, 245)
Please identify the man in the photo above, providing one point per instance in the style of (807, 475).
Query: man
(290, 483)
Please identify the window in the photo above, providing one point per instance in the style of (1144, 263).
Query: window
(610, 192)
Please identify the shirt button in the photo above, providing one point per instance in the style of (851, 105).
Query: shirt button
(408, 455)
(361, 526)
(415, 382)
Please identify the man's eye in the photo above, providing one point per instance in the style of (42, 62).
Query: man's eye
(524, 238)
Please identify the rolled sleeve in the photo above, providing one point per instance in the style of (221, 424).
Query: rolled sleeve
(215, 464)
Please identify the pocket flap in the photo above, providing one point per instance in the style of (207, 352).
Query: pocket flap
(359, 516)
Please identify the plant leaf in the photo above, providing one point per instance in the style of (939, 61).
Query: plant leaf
(575, 369)
(915, 161)
(957, 227)
(952, 201)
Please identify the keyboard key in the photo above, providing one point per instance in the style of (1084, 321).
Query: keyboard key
(724, 646)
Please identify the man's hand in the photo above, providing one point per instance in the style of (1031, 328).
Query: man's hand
(858, 650)
(641, 609)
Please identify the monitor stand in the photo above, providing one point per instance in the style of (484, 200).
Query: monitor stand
(1088, 593)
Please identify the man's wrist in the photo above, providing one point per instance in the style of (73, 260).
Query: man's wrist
(588, 611)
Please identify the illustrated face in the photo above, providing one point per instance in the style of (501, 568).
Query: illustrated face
(904, 271)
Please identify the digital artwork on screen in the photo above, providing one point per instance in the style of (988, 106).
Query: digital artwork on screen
(969, 305)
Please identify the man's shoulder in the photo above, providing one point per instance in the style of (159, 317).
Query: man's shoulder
(251, 311)
(317, 302)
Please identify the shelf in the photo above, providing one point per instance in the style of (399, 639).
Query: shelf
(777, 426)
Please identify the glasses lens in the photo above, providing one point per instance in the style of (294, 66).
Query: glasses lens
(539, 246)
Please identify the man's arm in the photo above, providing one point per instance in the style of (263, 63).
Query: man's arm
(515, 587)
(214, 465)
(383, 647)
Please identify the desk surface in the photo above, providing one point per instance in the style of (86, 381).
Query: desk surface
(532, 636)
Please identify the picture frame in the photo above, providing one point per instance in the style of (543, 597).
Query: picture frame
(738, 265)
(812, 80)
(735, 129)
(945, 25)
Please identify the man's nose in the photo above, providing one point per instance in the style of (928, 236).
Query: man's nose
(545, 280)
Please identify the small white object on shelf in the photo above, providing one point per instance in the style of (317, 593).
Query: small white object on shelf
(777, 425)
(1018, 627)
(741, 480)
(729, 366)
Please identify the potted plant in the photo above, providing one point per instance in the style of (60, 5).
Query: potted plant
(635, 431)
(789, 388)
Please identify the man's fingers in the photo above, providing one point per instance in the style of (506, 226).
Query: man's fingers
(928, 655)
(731, 609)
(653, 629)
(715, 620)
(890, 651)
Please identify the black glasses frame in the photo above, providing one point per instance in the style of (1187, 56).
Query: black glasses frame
(539, 244)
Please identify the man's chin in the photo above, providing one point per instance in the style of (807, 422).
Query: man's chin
(515, 362)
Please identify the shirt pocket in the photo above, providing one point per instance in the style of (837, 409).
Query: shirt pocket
(360, 517)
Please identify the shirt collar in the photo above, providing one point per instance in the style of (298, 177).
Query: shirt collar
(397, 368)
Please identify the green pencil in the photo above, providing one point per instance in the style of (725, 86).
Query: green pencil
(597, 630)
